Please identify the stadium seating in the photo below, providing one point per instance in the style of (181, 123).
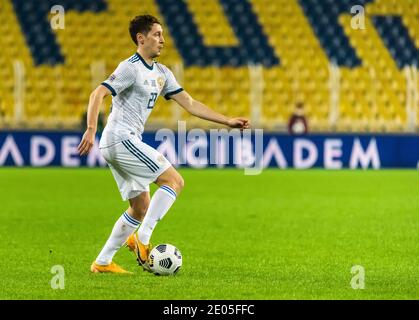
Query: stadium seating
(212, 46)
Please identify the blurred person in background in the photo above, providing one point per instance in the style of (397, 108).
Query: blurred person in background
(297, 124)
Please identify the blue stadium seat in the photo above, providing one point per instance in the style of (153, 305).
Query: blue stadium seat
(397, 39)
(323, 17)
(242, 19)
(33, 18)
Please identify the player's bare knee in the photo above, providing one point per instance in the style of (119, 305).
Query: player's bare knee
(173, 180)
(177, 183)
(180, 183)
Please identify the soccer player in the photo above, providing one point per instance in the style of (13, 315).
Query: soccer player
(135, 85)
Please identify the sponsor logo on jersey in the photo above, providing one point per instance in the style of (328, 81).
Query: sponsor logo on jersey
(112, 77)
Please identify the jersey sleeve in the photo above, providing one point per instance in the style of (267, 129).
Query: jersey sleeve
(171, 86)
(122, 78)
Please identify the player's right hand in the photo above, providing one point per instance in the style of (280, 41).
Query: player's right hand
(86, 142)
(240, 123)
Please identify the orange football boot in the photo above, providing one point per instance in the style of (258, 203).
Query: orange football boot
(140, 250)
(110, 268)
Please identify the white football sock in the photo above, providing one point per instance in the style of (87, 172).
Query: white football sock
(160, 203)
(123, 227)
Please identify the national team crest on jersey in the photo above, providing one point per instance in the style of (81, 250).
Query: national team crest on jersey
(160, 82)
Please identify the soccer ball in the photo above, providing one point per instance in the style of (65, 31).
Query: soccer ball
(165, 259)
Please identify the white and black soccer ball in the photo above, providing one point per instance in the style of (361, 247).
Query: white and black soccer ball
(165, 259)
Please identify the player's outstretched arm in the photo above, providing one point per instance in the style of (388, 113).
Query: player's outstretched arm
(200, 110)
(95, 101)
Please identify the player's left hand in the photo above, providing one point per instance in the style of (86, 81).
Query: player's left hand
(240, 123)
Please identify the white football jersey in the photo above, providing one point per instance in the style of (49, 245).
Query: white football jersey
(135, 86)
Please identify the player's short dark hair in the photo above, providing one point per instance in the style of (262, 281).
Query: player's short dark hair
(141, 24)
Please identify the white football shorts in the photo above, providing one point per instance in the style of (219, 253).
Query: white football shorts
(134, 165)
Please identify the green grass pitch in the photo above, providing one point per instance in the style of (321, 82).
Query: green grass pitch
(284, 234)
